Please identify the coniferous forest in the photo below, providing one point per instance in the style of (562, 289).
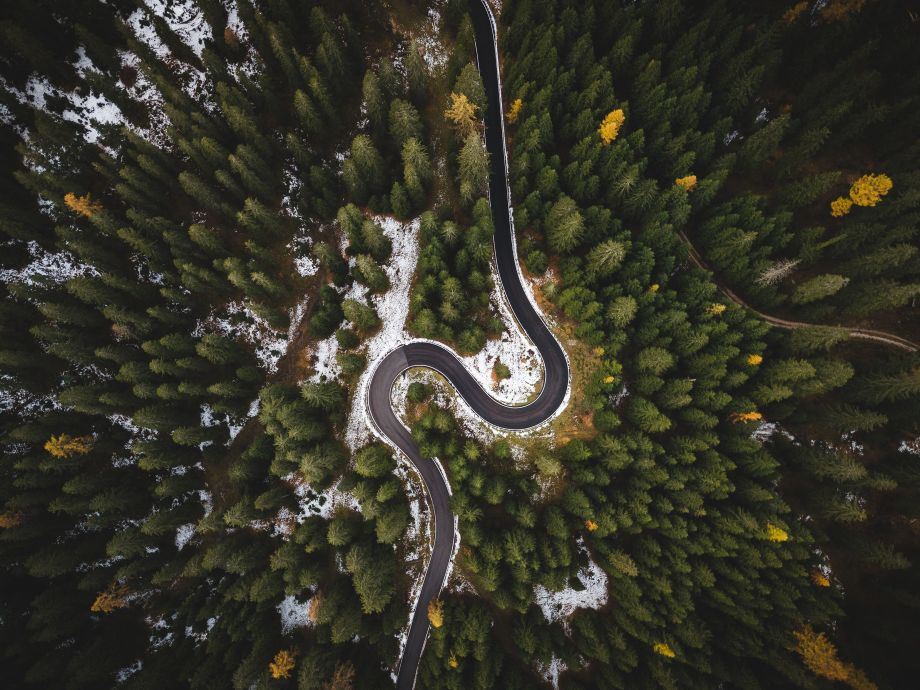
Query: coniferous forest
(216, 216)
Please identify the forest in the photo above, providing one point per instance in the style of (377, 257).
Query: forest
(216, 214)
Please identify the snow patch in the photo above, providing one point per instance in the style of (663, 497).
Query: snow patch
(392, 308)
(515, 351)
(237, 320)
(47, 267)
(294, 614)
(557, 606)
(552, 671)
(184, 534)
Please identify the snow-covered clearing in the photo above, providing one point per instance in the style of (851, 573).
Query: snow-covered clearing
(294, 614)
(237, 320)
(515, 351)
(392, 308)
(319, 503)
(558, 606)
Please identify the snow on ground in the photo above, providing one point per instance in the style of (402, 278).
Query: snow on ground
(237, 320)
(294, 614)
(125, 673)
(560, 605)
(89, 110)
(912, 446)
(47, 267)
(515, 351)
(184, 534)
(188, 23)
(322, 504)
(185, 18)
(552, 671)
(430, 40)
(392, 308)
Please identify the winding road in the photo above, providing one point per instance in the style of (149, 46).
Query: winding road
(446, 362)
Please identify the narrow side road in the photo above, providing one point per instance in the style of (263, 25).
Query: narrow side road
(859, 333)
(446, 362)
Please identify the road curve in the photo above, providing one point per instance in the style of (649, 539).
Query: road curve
(859, 333)
(444, 361)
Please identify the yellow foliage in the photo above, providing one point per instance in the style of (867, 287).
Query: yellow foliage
(795, 12)
(8, 520)
(868, 190)
(746, 416)
(654, 287)
(609, 379)
(282, 665)
(820, 579)
(452, 661)
(754, 360)
(663, 649)
(82, 204)
(115, 597)
(590, 525)
(819, 654)
(436, 613)
(775, 533)
(688, 182)
(598, 350)
(514, 111)
(717, 308)
(840, 206)
(610, 127)
(462, 113)
(64, 446)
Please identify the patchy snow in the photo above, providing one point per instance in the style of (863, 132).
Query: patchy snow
(185, 19)
(325, 365)
(188, 23)
(88, 110)
(47, 267)
(237, 320)
(323, 504)
(766, 430)
(392, 308)
(552, 671)
(125, 673)
(515, 351)
(294, 614)
(184, 534)
(560, 605)
(912, 446)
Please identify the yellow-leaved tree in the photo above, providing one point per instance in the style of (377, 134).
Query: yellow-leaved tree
(840, 206)
(282, 665)
(820, 656)
(514, 111)
(462, 113)
(752, 416)
(82, 204)
(688, 182)
(868, 190)
(115, 597)
(64, 446)
(610, 127)
(664, 649)
(436, 613)
(775, 533)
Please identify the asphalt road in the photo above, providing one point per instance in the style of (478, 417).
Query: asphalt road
(443, 360)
